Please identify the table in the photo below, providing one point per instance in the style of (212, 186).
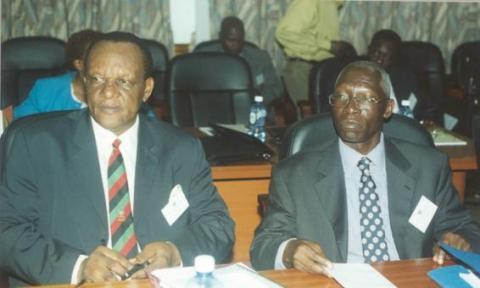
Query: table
(462, 159)
(405, 273)
(239, 185)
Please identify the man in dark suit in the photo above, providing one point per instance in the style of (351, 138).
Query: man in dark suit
(361, 197)
(76, 208)
(384, 49)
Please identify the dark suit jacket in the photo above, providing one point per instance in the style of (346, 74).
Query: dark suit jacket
(52, 201)
(308, 201)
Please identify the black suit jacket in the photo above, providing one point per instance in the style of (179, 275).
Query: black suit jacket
(308, 201)
(52, 200)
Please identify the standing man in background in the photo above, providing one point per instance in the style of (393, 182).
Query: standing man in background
(308, 33)
(232, 41)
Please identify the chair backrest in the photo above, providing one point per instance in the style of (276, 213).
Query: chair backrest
(322, 82)
(160, 61)
(204, 45)
(209, 87)
(26, 59)
(314, 131)
(476, 134)
(426, 60)
(466, 62)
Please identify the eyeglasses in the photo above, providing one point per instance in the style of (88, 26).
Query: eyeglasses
(362, 101)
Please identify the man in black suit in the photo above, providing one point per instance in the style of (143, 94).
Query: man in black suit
(362, 196)
(384, 49)
(76, 208)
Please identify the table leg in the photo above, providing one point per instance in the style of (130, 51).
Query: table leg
(458, 181)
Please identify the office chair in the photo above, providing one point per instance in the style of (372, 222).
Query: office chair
(204, 46)
(476, 135)
(465, 62)
(313, 132)
(322, 82)
(160, 61)
(426, 60)
(209, 87)
(26, 59)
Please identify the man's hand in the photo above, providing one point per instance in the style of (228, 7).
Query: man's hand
(157, 255)
(341, 49)
(103, 265)
(306, 256)
(453, 240)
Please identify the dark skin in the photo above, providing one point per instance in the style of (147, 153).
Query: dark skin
(383, 53)
(359, 126)
(116, 86)
(233, 39)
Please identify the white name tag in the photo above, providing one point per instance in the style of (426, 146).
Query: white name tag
(177, 204)
(259, 79)
(423, 214)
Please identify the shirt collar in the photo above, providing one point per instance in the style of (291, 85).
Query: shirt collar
(350, 157)
(104, 137)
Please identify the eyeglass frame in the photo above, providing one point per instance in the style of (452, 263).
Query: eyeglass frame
(364, 103)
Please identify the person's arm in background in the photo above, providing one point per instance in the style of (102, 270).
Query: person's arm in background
(31, 104)
(271, 86)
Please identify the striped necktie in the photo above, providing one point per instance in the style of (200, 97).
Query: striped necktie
(121, 220)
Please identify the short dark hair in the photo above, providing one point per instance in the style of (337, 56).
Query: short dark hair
(125, 37)
(77, 45)
(387, 35)
(229, 23)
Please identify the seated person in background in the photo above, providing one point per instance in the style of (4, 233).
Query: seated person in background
(62, 92)
(90, 193)
(232, 39)
(350, 200)
(384, 49)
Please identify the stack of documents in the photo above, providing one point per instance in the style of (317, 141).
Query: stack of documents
(460, 276)
(442, 137)
(231, 276)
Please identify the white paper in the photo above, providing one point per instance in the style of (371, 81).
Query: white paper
(413, 101)
(231, 276)
(470, 278)
(359, 275)
(177, 204)
(206, 130)
(449, 121)
(423, 214)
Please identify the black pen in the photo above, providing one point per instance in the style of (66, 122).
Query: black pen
(129, 273)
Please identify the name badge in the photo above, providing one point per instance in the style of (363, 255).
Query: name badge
(423, 214)
(177, 204)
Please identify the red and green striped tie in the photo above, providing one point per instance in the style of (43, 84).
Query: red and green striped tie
(121, 220)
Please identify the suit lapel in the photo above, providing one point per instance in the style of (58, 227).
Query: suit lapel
(330, 188)
(148, 161)
(401, 185)
(83, 167)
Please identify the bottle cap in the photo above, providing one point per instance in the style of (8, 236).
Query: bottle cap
(204, 264)
(258, 98)
(405, 102)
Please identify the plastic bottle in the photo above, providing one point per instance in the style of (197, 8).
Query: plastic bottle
(204, 267)
(258, 114)
(405, 109)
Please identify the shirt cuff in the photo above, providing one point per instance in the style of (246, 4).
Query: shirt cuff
(74, 278)
(279, 257)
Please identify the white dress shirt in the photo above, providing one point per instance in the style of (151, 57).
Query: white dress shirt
(104, 141)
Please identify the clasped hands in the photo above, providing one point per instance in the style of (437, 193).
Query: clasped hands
(309, 257)
(104, 264)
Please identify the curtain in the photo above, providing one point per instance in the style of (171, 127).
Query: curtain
(60, 18)
(446, 24)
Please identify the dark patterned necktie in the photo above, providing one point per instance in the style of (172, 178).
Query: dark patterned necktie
(121, 220)
(371, 223)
